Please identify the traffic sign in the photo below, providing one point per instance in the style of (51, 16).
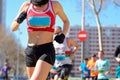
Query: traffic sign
(82, 35)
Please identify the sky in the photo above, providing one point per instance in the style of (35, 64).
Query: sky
(109, 16)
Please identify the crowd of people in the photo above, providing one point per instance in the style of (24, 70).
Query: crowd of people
(96, 68)
(99, 67)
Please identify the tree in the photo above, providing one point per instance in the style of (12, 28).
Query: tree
(97, 6)
(9, 51)
(117, 2)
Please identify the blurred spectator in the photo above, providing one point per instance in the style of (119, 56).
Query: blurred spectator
(84, 70)
(4, 71)
(64, 55)
(103, 67)
(117, 57)
(91, 66)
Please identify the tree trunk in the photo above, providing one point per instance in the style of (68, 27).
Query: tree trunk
(99, 32)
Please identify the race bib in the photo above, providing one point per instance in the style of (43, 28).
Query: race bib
(39, 21)
(60, 57)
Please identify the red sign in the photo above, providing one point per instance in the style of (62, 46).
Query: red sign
(82, 35)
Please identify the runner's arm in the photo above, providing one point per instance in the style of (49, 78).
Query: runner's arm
(60, 12)
(16, 22)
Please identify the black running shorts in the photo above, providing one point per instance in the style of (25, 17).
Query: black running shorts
(45, 52)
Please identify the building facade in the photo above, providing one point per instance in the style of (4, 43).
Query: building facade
(2, 12)
(111, 40)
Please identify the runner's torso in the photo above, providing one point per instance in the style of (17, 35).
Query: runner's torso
(40, 24)
(61, 57)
